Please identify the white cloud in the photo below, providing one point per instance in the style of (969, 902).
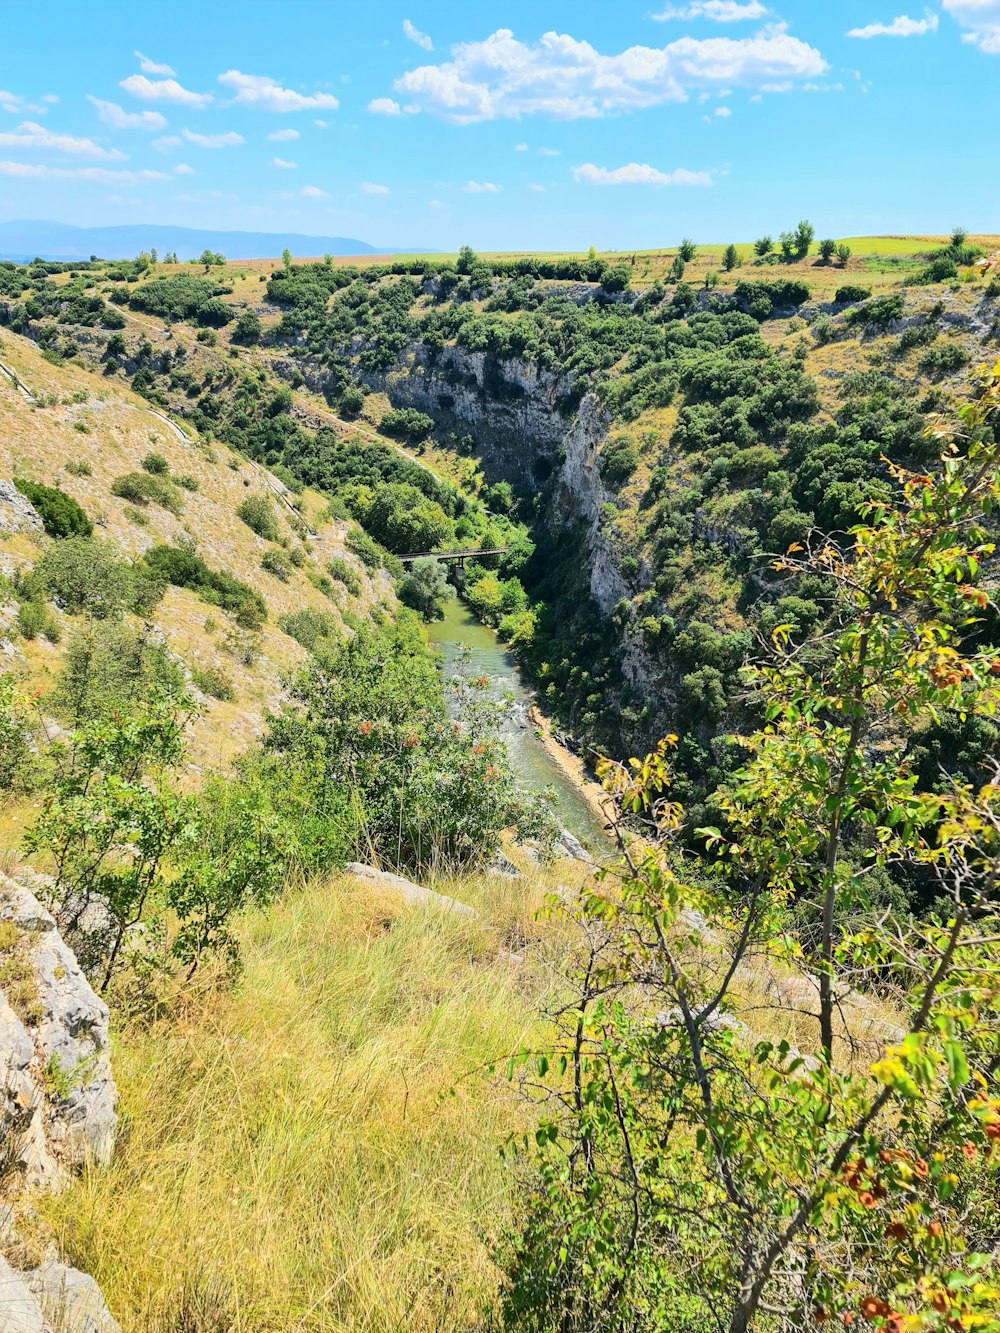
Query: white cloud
(120, 119)
(537, 189)
(899, 27)
(282, 136)
(182, 169)
(383, 106)
(163, 90)
(723, 111)
(550, 152)
(520, 148)
(151, 67)
(103, 175)
(981, 21)
(568, 79)
(10, 102)
(719, 11)
(313, 192)
(369, 187)
(282, 165)
(263, 93)
(29, 134)
(638, 173)
(50, 99)
(481, 187)
(436, 203)
(415, 35)
(227, 140)
(167, 142)
(320, 124)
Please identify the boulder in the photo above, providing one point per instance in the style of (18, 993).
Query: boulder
(71, 1301)
(412, 893)
(17, 513)
(19, 1311)
(57, 1092)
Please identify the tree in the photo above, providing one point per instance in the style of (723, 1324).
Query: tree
(170, 257)
(959, 236)
(425, 587)
(788, 241)
(805, 234)
(827, 249)
(763, 247)
(843, 252)
(248, 329)
(466, 259)
(153, 256)
(696, 1168)
(730, 258)
(286, 259)
(677, 268)
(687, 250)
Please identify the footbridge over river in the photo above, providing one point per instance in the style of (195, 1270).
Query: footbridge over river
(454, 557)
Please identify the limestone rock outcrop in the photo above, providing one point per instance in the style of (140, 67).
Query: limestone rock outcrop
(57, 1091)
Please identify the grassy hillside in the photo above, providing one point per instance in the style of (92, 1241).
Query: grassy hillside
(318, 1149)
(88, 431)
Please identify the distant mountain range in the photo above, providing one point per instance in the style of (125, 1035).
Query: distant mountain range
(22, 241)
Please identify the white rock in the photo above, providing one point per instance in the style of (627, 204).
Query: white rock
(70, 1300)
(407, 890)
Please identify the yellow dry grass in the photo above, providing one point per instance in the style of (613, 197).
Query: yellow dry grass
(86, 420)
(316, 1148)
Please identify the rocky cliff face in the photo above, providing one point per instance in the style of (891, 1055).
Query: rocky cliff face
(513, 411)
(510, 408)
(57, 1104)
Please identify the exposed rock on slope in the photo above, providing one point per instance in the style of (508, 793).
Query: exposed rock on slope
(58, 1089)
(57, 1102)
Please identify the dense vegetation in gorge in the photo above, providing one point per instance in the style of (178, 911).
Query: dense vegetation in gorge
(720, 445)
(754, 1058)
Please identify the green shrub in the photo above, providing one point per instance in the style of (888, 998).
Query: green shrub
(248, 329)
(878, 313)
(78, 468)
(276, 562)
(941, 269)
(257, 512)
(619, 460)
(156, 464)
(89, 577)
(944, 359)
(309, 627)
(213, 681)
(142, 488)
(34, 618)
(184, 569)
(60, 514)
(850, 295)
(345, 574)
(406, 423)
(188, 483)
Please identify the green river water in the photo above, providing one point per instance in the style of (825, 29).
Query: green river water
(459, 633)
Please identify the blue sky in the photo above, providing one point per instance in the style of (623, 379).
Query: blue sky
(539, 125)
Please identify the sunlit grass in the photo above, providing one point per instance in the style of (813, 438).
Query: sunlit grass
(317, 1148)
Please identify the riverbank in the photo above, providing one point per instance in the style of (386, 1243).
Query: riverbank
(573, 768)
(540, 763)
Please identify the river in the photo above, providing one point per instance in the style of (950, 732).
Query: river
(460, 633)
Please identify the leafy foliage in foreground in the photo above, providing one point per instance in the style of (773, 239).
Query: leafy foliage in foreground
(695, 1170)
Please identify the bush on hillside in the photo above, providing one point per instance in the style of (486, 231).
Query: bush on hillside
(257, 512)
(142, 488)
(406, 423)
(850, 294)
(60, 514)
(185, 569)
(89, 577)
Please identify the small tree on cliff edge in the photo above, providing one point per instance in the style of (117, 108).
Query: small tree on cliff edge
(768, 1107)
